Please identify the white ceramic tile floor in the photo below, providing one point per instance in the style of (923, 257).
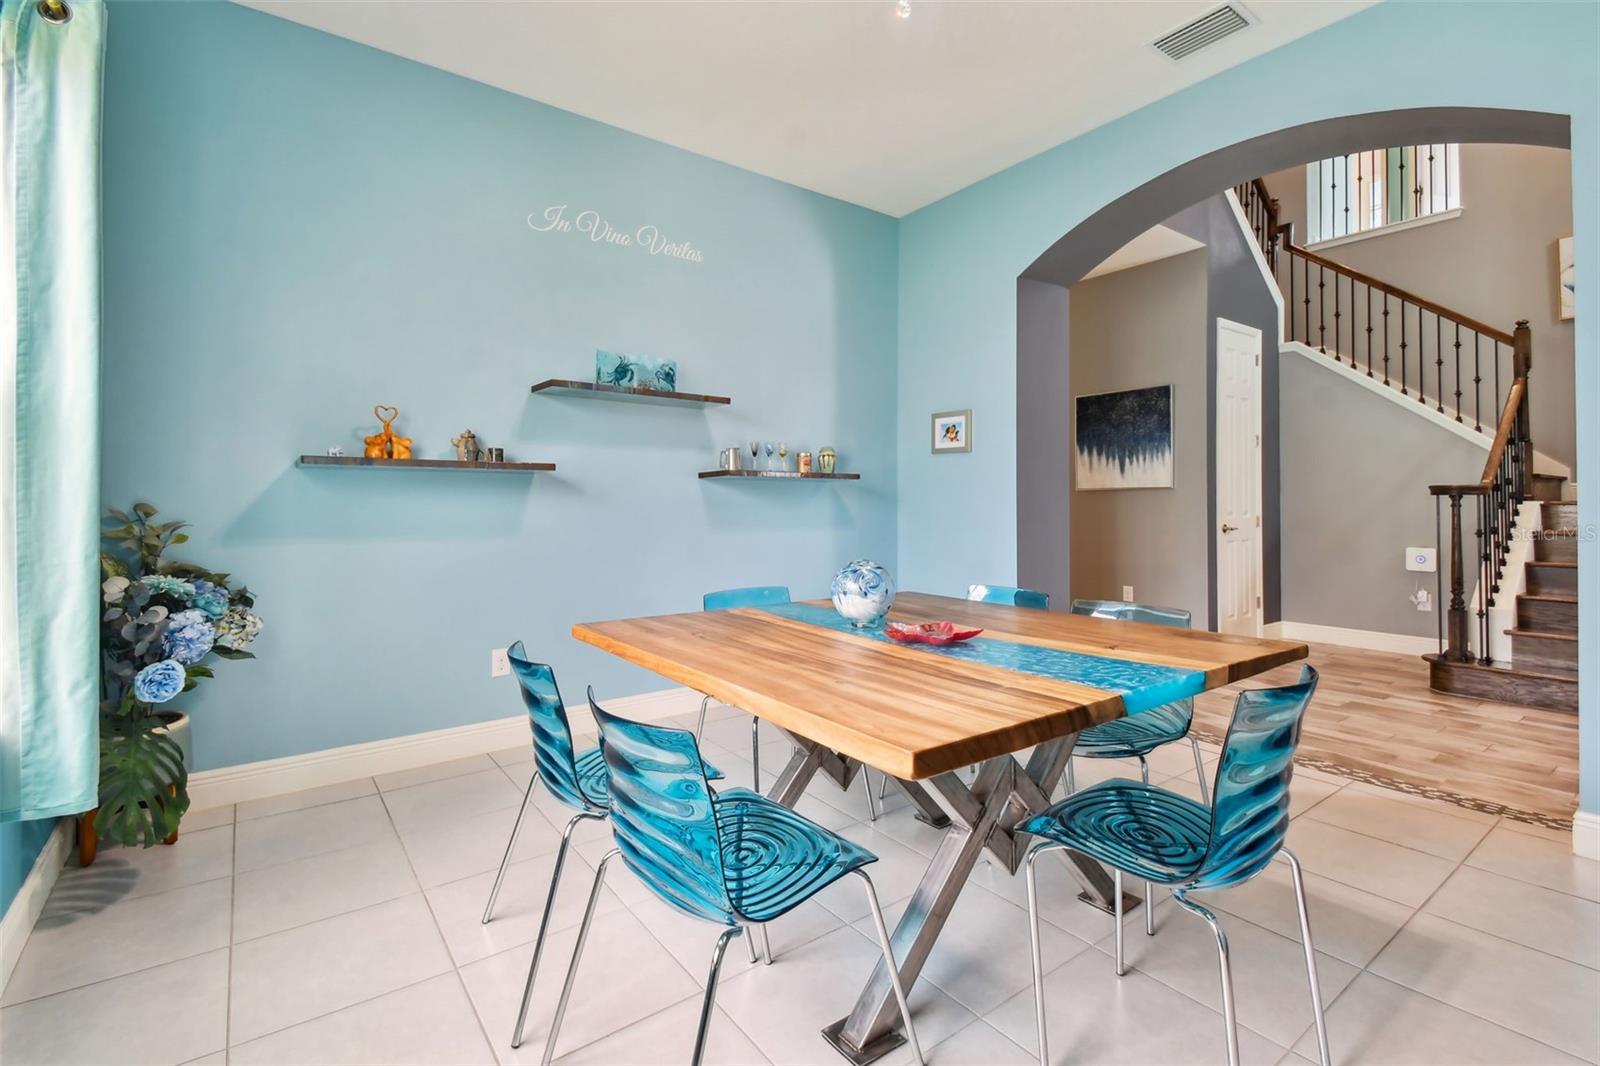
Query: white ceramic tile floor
(340, 925)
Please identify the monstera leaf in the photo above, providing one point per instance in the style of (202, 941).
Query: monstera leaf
(144, 788)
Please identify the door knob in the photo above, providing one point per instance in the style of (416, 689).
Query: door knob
(1227, 528)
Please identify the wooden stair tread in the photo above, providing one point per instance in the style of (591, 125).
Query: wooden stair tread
(1544, 673)
(1555, 563)
(1542, 634)
(1547, 597)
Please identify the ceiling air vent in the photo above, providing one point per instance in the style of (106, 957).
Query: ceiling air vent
(1207, 29)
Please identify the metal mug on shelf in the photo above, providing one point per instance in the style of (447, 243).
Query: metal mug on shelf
(730, 459)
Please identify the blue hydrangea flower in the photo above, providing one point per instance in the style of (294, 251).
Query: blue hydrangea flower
(159, 682)
(209, 598)
(167, 585)
(189, 636)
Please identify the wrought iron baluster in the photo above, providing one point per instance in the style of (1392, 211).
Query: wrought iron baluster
(1483, 581)
(1403, 391)
(1422, 367)
(1477, 382)
(1458, 372)
(1386, 338)
(1337, 314)
(1497, 398)
(1369, 331)
(1438, 354)
(1322, 311)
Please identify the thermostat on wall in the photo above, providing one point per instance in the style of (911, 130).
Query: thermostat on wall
(1421, 559)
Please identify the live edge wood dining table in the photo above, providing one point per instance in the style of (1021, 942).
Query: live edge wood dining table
(849, 699)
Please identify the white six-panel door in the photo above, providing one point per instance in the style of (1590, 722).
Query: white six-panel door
(1238, 478)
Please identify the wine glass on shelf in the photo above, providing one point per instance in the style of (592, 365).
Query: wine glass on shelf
(755, 455)
(769, 448)
(783, 456)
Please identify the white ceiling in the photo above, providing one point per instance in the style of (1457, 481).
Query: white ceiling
(1157, 242)
(843, 98)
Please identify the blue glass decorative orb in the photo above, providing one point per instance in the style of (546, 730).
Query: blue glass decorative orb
(863, 592)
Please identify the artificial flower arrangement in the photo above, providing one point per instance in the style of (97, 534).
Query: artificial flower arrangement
(160, 622)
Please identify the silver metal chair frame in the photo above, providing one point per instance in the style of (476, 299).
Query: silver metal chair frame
(1230, 1019)
(704, 1027)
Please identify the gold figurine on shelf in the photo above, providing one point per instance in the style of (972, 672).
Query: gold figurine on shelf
(386, 445)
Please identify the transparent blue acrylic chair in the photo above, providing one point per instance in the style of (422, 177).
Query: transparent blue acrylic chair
(763, 596)
(733, 858)
(1171, 840)
(727, 600)
(1137, 735)
(578, 781)
(1009, 594)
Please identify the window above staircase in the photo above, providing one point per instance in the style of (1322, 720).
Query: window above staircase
(1381, 190)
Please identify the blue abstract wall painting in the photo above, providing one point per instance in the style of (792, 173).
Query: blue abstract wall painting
(1124, 439)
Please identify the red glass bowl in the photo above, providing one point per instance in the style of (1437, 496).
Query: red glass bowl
(929, 633)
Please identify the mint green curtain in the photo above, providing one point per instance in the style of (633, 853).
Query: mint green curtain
(50, 87)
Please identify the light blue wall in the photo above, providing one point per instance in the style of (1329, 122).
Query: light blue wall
(960, 257)
(298, 227)
(20, 844)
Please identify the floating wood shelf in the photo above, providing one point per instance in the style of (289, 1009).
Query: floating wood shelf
(420, 464)
(568, 387)
(786, 475)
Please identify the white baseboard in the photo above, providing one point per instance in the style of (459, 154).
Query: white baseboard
(25, 909)
(294, 773)
(1586, 835)
(1371, 640)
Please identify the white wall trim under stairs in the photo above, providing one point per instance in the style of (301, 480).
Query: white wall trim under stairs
(17, 925)
(1586, 835)
(1369, 639)
(294, 773)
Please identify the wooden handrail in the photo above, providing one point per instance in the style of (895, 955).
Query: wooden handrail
(1285, 234)
(1502, 438)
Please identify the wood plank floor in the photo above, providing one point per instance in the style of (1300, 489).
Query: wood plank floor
(1375, 717)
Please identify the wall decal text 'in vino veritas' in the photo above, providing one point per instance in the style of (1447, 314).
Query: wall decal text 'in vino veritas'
(590, 224)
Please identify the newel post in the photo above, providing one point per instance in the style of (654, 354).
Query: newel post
(1522, 364)
(1456, 649)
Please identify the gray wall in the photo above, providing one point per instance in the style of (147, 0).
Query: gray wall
(1356, 471)
(1135, 328)
(1236, 290)
(1043, 506)
(1496, 262)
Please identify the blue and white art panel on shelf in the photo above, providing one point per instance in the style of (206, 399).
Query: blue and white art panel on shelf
(1124, 439)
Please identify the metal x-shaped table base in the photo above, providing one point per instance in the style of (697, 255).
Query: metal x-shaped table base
(980, 817)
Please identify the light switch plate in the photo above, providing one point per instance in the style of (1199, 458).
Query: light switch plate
(499, 663)
(1422, 560)
(1127, 593)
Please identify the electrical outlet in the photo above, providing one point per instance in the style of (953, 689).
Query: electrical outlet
(1127, 593)
(1423, 599)
(499, 663)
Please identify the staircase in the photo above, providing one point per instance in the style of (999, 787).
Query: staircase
(1511, 632)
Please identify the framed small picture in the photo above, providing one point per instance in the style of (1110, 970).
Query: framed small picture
(952, 431)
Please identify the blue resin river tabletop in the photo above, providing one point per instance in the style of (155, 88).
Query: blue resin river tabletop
(912, 712)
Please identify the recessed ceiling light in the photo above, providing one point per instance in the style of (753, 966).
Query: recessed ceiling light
(903, 9)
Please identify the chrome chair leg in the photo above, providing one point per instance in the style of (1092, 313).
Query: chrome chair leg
(1037, 952)
(872, 800)
(505, 860)
(1072, 782)
(1149, 909)
(1311, 955)
(1230, 1019)
(766, 945)
(750, 945)
(700, 727)
(883, 786)
(1200, 771)
(711, 994)
(755, 751)
(892, 966)
(1144, 770)
(572, 968)
(544, 923)
(1116, 906)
